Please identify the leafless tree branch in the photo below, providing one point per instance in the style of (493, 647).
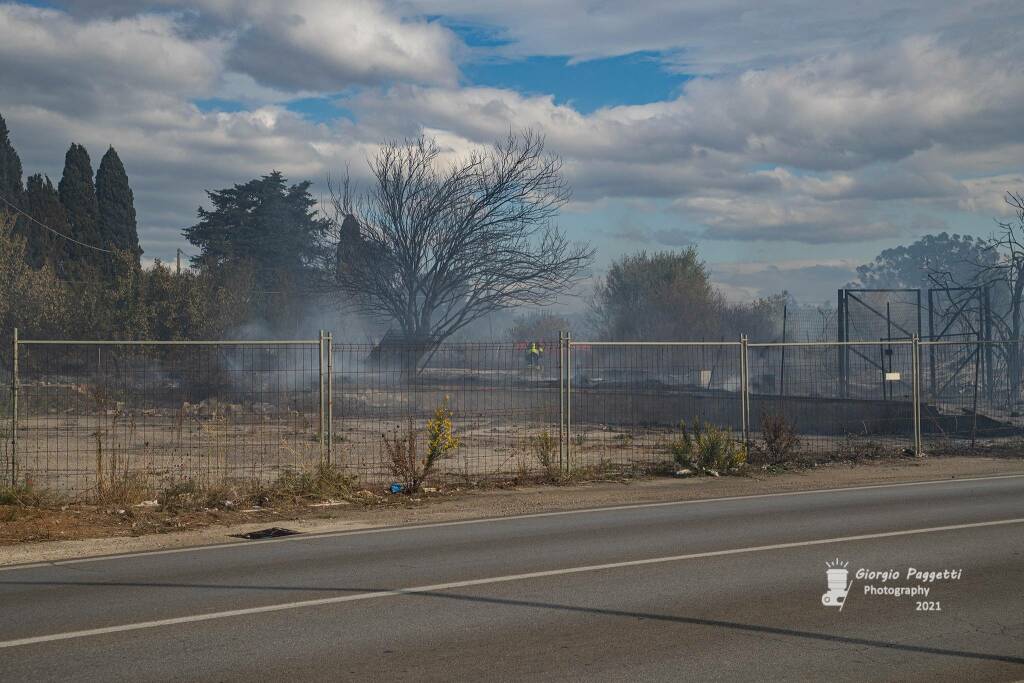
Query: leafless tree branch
(441, 245)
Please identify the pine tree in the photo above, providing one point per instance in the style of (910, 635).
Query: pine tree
(43, 203)
(78, 195)
(116, 205)
(264, 222)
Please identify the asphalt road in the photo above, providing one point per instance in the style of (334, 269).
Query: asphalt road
(726, 589)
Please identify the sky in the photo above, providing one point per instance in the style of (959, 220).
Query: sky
(789, 141)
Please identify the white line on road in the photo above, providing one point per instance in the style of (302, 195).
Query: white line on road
(488, 520)
(414, 590)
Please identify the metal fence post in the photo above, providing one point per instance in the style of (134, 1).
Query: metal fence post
(320, 375)
(916, 393)
(14, 412)
(568, 401)
(561, 401)
(330, 397)
(744, 390)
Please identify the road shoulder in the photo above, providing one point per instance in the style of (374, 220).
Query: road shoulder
(523, 501)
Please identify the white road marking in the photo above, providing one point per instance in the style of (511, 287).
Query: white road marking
(138, 626)
(488, 520)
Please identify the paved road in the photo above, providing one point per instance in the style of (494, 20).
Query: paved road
(728, 589)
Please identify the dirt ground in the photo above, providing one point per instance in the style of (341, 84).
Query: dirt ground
(41, 535)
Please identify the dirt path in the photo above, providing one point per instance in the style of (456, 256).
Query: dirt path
(28, 535)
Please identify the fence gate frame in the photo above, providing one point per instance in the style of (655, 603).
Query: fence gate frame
(845, 296)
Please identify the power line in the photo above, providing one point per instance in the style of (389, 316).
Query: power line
(55, 232)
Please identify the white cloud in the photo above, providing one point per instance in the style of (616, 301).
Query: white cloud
(988, 195)
(328, 46)
(311, 45)
(830, 124)
(725, 36)
(807, 280)
(85, 67)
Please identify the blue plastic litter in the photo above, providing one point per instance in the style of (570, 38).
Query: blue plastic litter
(397, 488)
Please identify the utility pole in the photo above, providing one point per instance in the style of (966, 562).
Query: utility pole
(179, 261)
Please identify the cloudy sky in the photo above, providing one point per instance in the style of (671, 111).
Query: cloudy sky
(790, 143)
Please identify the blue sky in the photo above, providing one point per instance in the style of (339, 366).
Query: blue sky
(788, 142)
(638, 78)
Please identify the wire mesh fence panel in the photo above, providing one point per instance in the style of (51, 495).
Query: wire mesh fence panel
(808, 323)
(100, 415)
(504, 400)
(93, 416)
(881, 314)
(846, 400)
(627, 401)
(969, 402)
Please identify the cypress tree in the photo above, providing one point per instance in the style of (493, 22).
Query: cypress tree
(116, 205)
(43, 203)
(10, 168)
(10, 188)
(78, 195)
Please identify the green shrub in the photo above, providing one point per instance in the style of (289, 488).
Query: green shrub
(707, 448)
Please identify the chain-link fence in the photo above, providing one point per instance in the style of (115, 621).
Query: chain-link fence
(78, 415)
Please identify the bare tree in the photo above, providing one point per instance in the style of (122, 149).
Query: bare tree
(997, 268)
(1008, 273)
(433, 247)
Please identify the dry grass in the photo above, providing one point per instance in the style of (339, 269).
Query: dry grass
(320, 482)
(25, 495)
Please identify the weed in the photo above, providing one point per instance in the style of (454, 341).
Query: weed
(545, 449)
(181, 495)
(856, 450)
(778, 439)
(125, 488)
(681, 447)
(25, 495)
(404, 462)
(322, 482)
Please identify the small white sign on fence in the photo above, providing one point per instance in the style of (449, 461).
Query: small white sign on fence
(705, 379)
(892, 377)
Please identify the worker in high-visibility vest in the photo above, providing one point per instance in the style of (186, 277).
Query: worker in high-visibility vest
(533, 355)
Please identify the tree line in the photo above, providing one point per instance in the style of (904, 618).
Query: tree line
(70, 261)
(427, 250)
